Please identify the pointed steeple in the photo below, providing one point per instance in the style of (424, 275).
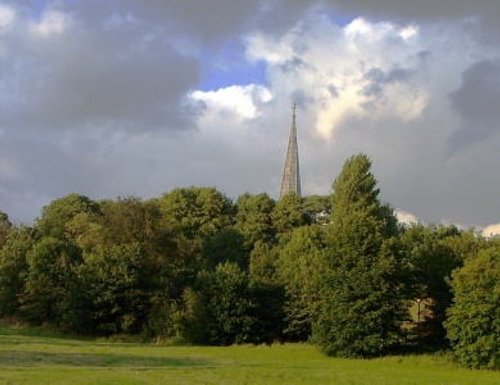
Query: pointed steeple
(290, 182)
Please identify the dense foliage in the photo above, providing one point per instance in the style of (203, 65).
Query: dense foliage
(195, 266)
(474, 318)
(361, 307)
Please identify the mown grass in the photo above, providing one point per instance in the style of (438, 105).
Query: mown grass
(28, 356)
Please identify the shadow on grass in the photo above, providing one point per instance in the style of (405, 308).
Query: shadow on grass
(15, 358)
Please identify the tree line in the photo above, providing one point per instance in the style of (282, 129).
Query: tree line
(194, 266)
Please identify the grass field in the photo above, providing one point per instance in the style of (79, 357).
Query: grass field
(28, 357)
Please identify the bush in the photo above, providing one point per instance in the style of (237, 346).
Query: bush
(473, 325)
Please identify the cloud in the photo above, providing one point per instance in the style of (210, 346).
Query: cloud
(423, 10)
(362, 69)
(477, 103)
(491, 230)
(406, 218)
(52, 22)
(241, 101)
(7, 16)
(105, 99)
(204, 22)
(94, 73)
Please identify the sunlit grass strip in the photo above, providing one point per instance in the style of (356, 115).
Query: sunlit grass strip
(31, 357)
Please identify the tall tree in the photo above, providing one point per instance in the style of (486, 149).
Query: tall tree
(360, 309)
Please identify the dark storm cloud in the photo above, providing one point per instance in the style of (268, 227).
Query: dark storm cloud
(488, 10)
(207, 22)
(477, 102)
(120, 74)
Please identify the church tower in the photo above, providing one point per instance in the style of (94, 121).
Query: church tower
(290, 182)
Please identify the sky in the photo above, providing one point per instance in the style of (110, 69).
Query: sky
(112, 98)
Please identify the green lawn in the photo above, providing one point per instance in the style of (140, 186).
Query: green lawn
(30, 358)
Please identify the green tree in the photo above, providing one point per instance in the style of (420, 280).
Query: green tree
(473, 323)
(268, 293)
(219, 310)
(430, 255)
(229, 305)
(56, 216)
(51, 283)
(5, 227)
(131, 220)
(226, 245)
(116, 296)
(360, 309)
(197, 211)
(318, 208)
(254, 219)
(14, 269)
(288, 213)
(301, 262)
(200, 220)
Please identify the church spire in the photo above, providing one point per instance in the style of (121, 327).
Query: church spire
(290, 182)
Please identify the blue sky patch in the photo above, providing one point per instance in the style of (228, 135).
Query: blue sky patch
(229, 66)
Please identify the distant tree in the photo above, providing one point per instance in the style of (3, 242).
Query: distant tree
(5, 227)
(301, 262)
(14, 269)
(200, 221)
(431, 254)
(219, 310)
(60, 212)
(473, 323)
(115, 286)
(318, 208)
(191, 321)
(263, 267)
(268, 293)
(226, 245)
(360, 310)
(131, 220)
(51, 283)
(254, 218)
(289, 213)
(196, 212)
(86, 231)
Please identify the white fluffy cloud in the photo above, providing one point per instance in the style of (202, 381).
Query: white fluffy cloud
(363, 70)
(491, 230)
(240, 101)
